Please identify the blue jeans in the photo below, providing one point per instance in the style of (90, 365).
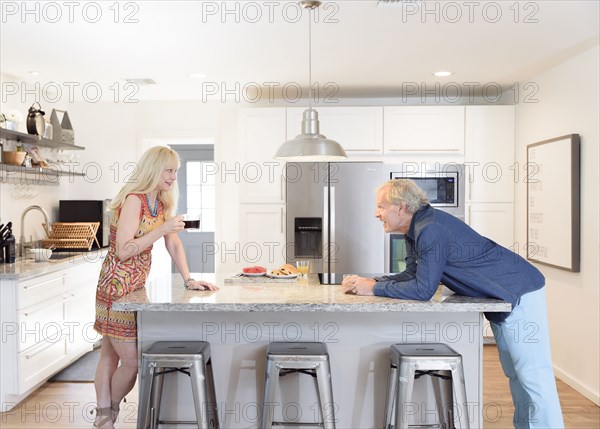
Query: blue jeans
(524, 349)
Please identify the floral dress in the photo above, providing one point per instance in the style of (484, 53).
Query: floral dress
(121, 277)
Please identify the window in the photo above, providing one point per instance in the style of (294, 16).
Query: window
(200, 192)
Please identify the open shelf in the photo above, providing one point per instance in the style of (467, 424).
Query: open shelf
(41, 172)
(36, 140)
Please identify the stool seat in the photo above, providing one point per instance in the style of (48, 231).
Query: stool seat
(189, 357)
(308, 358)
(409, 361)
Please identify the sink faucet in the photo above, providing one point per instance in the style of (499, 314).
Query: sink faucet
(22, 238)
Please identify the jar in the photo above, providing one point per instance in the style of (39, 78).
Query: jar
(48, 131)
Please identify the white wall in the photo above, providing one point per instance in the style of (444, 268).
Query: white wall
(568, 104)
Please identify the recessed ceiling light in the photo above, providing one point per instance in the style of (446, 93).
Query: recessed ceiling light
(34, 73)
(443, 73)
(197, 75)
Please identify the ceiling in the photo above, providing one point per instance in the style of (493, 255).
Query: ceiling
(245, 48)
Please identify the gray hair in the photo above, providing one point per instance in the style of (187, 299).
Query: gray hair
(405, 191)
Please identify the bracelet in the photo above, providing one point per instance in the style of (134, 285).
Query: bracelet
(186, 281)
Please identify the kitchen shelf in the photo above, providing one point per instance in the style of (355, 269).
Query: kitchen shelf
(38, 170)
(36, 140)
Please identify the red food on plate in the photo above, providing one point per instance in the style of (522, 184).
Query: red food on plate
(256, 269)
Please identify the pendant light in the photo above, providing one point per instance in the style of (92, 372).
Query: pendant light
(310, 145)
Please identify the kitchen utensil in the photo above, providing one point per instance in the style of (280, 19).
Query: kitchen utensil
(14, 158)
(35, 120)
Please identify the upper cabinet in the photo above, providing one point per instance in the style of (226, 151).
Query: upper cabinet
(490, 153)
(358, 129)
(439, 129)
(261, 132)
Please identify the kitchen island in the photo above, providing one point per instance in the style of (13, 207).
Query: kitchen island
(247, 313)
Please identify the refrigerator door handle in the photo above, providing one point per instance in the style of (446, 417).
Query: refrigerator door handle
(332, 244)
(325, 238)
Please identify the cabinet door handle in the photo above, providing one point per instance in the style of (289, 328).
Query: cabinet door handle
(43, 283)
(423, 150)
(469, 215)
(37, 352)
(470, 187)
(282, 220)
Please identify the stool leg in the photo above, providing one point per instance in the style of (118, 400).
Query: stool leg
(460, 395)
(271, 380)
(325, 390)
(406, 380)
(212, 408)
(145, 394)
(441, 404)
(156, 398)
(199, 392)
(390, 397)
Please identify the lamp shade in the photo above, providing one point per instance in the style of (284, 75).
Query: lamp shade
(310, 146)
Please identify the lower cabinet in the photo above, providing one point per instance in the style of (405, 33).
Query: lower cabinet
(47, 323)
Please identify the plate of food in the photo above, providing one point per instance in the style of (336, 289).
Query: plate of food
(286, 271)
(255, 271)
(282, 276)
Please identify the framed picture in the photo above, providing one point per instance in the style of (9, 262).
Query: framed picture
(553, 224)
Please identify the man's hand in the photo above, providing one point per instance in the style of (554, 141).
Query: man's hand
(357, 285)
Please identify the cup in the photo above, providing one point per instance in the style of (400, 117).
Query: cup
(303, 267)
(191, 221)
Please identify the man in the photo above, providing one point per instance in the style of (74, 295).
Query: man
(442, 248)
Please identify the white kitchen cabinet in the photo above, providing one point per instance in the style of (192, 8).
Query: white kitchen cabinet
(263, 235)
(261, 178)
(47, 324)
(358, 129)
(429, 129)
(80, 307)
(493, 220)
(490, 153)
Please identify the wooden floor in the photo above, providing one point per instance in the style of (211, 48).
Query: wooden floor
(68, 405)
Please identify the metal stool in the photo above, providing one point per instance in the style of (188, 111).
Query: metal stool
(188, 357)
(415, 360)
(307, 358)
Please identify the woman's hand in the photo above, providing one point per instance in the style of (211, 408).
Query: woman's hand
(173, 225)
(201, 285)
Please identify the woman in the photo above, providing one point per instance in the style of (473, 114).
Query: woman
(142, 212)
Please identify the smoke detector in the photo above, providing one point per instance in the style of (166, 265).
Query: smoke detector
(141, 81)
(399, 3)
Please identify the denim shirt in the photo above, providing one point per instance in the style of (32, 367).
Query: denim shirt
(442, 248)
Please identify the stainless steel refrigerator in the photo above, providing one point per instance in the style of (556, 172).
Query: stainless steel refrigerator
(330, 216)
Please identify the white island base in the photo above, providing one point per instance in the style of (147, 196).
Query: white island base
(358, 345)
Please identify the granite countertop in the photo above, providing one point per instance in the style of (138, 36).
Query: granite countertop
(253, 295)
(26, 268)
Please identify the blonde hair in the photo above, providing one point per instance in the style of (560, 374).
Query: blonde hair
(405, 191)
(146, 178)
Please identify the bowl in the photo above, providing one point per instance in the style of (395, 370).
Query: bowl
(41, 255)
(14, 158)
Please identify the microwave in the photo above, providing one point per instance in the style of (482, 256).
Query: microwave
(442, 185)
(88, 211)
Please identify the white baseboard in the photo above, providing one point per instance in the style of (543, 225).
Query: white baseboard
(592, 396)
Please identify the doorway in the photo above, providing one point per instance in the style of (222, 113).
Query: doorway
(197, 196)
